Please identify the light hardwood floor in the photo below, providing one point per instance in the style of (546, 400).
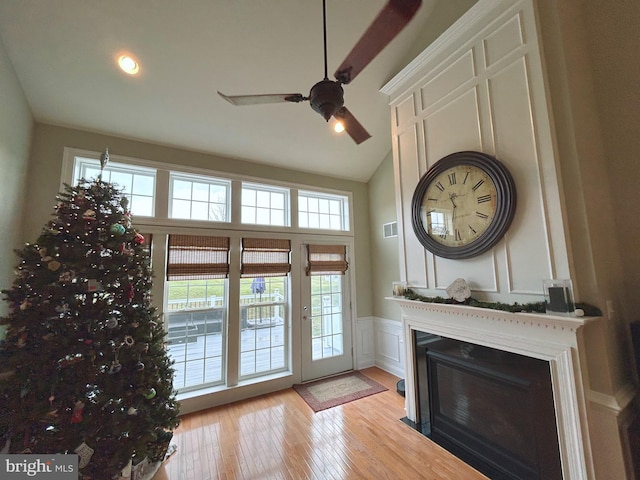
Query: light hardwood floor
(277, 436)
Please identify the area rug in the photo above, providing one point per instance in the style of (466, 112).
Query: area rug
(334, 391)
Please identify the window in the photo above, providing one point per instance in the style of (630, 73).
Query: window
(326, 316)
(199, 198)
(323, 211)
(264, 325)
(137, 183)
(197, 267)
(195, 292)
(265, 205)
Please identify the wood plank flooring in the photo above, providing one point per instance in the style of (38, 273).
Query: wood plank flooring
(277, 436)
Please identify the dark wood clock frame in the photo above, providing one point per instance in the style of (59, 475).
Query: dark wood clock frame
(505, 204)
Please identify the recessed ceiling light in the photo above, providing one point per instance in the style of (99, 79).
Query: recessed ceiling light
(128, 64)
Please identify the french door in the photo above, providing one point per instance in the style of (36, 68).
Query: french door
(326, 344)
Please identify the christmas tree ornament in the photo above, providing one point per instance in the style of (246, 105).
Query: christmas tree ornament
(149, 394)
(88, 216)
(115, 367)
(129, 341)
(85, 452)
(139, 366)
(66, 277)
(117, 229)
(104, 159)
(138, 238)
(93, 285)
(132, 411)
(76, 415)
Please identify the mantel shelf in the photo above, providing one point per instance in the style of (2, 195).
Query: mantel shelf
(468, 313)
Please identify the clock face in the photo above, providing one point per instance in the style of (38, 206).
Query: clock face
(463, 205)
(459, 205)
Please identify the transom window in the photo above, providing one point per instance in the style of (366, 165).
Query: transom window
(138, 184)
(199, 198)
(323, 211)
(265, 205)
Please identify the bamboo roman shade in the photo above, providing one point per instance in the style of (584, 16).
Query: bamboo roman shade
(265, 257)
(197, 257)
(327, 259)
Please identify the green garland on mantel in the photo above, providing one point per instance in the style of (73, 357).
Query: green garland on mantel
(535, 307)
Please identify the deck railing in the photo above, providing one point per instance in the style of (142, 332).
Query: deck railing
(218, 302)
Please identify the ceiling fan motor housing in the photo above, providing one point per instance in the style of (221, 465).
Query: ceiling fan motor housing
(326, 98)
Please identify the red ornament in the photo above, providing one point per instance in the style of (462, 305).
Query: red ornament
(76, 415)
(138, 238)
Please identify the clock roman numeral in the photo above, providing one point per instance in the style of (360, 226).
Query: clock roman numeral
(439, 186)
(471, 229)
(483, 216)
(452, 178)
(458, 236)
(484, 198)
(477, 185)
(466, 175)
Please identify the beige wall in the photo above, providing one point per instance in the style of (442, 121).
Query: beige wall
(613, 39)
(384, 258)
(596, 160)
(16, 124)
(46, 161)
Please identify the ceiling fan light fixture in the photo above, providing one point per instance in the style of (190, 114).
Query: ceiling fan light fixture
(326, 98)
(338, 126)
(128, 64)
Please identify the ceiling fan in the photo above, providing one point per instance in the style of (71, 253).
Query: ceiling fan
(327, 96)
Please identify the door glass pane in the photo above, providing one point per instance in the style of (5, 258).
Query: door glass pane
(263, 326)
(196, 311)
(326, 316)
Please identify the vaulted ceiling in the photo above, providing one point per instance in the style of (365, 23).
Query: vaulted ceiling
(64, 55)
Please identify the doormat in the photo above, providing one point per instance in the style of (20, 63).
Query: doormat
(334, 391)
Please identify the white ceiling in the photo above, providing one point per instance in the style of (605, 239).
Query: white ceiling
(64, 53)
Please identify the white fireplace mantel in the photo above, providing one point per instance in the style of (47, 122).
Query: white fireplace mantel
(556, 339)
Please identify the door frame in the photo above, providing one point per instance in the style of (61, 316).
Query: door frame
(306, 372)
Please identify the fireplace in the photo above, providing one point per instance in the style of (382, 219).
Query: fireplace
(535, 355)
(492, 408)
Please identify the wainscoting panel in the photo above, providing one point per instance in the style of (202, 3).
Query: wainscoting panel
(365, 343)
(389, 343)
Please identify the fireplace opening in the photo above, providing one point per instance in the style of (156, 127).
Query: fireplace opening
(491, 408)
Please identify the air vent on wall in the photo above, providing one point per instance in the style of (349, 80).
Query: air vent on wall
(390, 230)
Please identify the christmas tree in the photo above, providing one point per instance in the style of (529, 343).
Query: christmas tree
(90, 372)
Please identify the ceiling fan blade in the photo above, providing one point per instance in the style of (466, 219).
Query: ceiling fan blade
(258, 99)
(353, 127)
(395, 15)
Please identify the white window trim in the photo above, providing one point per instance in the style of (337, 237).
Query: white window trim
(161, 219)
(211, 180)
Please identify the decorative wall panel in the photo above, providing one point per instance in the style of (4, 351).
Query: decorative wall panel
(482, 88)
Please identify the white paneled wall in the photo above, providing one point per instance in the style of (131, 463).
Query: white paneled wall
(481, 87)
(380, 342)
(389, 346)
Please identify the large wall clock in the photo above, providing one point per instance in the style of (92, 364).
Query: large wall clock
(463, 205)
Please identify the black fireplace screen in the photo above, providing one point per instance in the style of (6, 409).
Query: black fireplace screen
(493, 409)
